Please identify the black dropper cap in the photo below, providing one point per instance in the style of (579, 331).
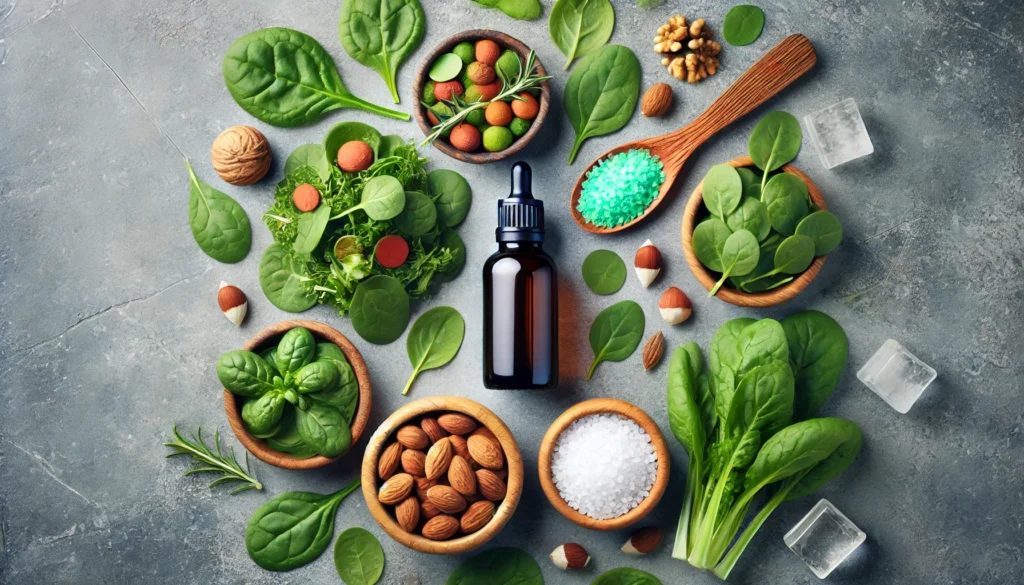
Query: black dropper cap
(520, 216)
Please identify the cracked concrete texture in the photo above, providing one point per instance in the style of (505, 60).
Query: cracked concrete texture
(109, 327)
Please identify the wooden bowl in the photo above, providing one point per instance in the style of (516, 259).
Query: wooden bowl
(446, 46)
(695, 211)
(418, 408)
(603, 406)
(321, 332)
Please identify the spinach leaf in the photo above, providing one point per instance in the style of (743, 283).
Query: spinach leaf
(380, 309)
(317, 376)
(282, 279)
(685, 416)
(601, 93)
(388, 144)
(451, 240)
(285, 78)
(343, 132)
(742, 25)
(287, 438)
(796, 448)
(751, 215)
(418, 216)
(794, 255)
(293, 529)
(296, 349)
(219, 224)
(244, 373)
(517, 9)
(724, 361)
(322, 428)
(709, 239)
(774, 142)
(786, 197)
(325, 350)
(358, 557)
(383, 198)
(604, 272)
(739, 256)
(818, 350)
(761, 406)
(841, 458)
(262, 415)
(616, 333)
(738, 347)
(722, 190)
(434, 340)
(824, 229)
(498, 566)
(381, 34)
(626, 576)
(310, 228)
(311, 155)
(345, 395)
(579, 27)
(765, 264)
(452, 195)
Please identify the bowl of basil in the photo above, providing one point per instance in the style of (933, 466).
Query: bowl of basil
(297, 395)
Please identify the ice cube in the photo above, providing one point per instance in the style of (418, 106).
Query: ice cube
(838, 134)
(896, 375)
(824, 538)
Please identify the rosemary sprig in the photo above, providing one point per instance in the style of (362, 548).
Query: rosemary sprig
(208, 461)
(525, 79)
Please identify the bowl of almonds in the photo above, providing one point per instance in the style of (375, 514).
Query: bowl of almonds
(442, 475)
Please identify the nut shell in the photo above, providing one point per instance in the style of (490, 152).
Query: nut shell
(654, 349)
(570, 556)
(241, 155)
(657, 100)
(232, 303)
(675, 306)
(644, 541)
(647, 262)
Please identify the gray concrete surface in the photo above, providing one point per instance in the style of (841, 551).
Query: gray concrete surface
(109, 327)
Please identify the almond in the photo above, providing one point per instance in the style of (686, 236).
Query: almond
(461, 476)
(389, 460)
(477, 516)
(456, 424)
(413, 462)
(643, 541)
(491, 486)
(657, 100)
(439, 458)
(433, 430)
(407, 514)
(485, 432)
(675, 306)
(440, 528)
(395, 489)
(459, 445)
(446, 499)
(422, 485)
(653, 350)
(570, 556)
(428, 510)
(413, 437)
(486, 451)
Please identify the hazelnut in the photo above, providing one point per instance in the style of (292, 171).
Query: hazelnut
(241, 155)
(355, 156)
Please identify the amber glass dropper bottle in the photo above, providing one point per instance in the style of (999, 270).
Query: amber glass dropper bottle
(520, 296)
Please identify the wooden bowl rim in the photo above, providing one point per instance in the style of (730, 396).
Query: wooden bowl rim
(602, 406)
(258, 447)
(446, 46)
(482, 415)
(707, 279)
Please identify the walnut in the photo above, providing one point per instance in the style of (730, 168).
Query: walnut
(671, 36)
(701, 52)
(241, 155)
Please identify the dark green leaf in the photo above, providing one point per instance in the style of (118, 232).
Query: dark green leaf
(626, 576)
(841, 458)
(262, 415)
(381, 34)
(580, 27)
(380, 309)
(418, 216)
(282, 277)
(824, 229)
(219, 224)
(818, 350)
(311, 155)
(323, 428)
(796, 448)
(452, 195)
(434, 340)
(751, 215)
(244, 373)
(517, 9)
(311, 226)
(743, 24)
(794, 255)
(601, 93)
(708, 242)
(317, 376)
(295, 350)
(383, 198)
(358, 557)
(684, 409)
(604, 272)
(775, 141)
(616, 333)
(287, 438)
(739, 256)
(388, 144)
(498, 566)
(786, 198)
(722, 190)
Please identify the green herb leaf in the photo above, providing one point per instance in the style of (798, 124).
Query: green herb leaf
(742, 25)
(786, 198)
(604, 272)
(358, 557)
(296, 349)
(212, 460)
(388, 145)
(824, 229)
(601, 93)
(381, 34)
(311, 226)
(262, 415)
(244, 373)
(434, 340)
(774, 142)
(316, 376)
(794, 255)
(684, 407)
(219, 224)
(616, 333)
(498, 566)
(282, 278)
(708, 242)
(287, 438)
(626, 576)
(419, 215)
(343, 132)
(380, 309)
(311, 155)
(579, 27)
(722, 190)
(383, 198)
(452, 195)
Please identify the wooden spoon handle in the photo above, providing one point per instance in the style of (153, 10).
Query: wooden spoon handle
(779, 67)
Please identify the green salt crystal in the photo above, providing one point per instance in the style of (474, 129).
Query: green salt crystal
(619, 188)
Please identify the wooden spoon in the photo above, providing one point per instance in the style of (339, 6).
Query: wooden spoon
(779, 67)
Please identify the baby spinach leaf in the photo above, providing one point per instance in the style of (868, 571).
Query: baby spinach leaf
(311, 155)
(381, 34)
(262, 415)
(774, 142)
(517, 9)
(244, 373)
(616, 333)
(316, 376)
(794, 255)
(626, 576)
(287, 438)
(343, 132)
(219, 224)
(579, 27)
(282, 279)
(742, 25)
(452, 195)
(418, 216)
(765, 264)
(453, 242)
(739, 256)
(604, 272)
(708, 242)
(601, 93)
(380, 309)
(322, 428)
(383, 198)
(818, 349)
(388, 144)
(285, 78)
(824, 229)
(293, 529)
(498, 566)
(310, 228)
(786, 197)
(434, 340)
(358, 557)
(296, 349)
(722, 190)
(751, 215)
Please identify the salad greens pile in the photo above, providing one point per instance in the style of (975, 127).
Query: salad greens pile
(746, 424)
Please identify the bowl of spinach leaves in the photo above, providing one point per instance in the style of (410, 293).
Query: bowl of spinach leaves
(297, 395)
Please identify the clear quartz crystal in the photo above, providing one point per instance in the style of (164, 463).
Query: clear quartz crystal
(824, 538)
(838, 133)
(896, 375)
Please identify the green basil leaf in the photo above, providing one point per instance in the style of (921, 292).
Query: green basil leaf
(774, 141)
(358, 557)
(751, 215)
(310, 229)
(343, 132)
(580, 27)
(602, 93)
(616, 333)
(311, 155)
(708, 242)
(818, 350)
(282, 279)
(295, 350)
(380, 309)
(434, 340)
(219, 224)
(418, 216)
(626, 576)
(824, 229)
(722, 190)
(244, 373)
(498, 566)
(742, 25)
(324, 429)
(786, 198)
(452, 195)
(285, 78)
(381, 34)
(604, 272)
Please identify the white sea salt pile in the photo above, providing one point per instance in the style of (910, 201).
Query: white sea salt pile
(604, 465)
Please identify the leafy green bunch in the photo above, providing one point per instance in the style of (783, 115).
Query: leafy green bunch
(746, 424)
(300, 395)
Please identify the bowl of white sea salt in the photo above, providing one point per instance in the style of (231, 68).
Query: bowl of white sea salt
(604, 464)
